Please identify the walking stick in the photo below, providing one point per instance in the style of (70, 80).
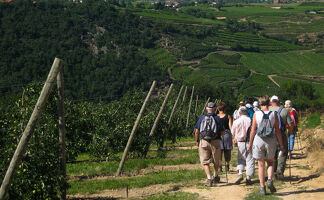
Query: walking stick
(225, 159)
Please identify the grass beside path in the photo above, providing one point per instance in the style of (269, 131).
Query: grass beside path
(174, 157)
(162, 177)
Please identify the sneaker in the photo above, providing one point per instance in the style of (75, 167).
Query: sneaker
(216, 179)
(262, 190)
(209, 183)
(227, 168)
(239, 179)
(248, 182)
(271, 186)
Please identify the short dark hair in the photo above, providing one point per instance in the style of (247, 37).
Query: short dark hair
(264, 100)
(221, 106)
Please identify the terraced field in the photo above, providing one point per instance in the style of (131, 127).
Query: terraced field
(247, 40)
(160, 57)
(307, 63)
(174, 17)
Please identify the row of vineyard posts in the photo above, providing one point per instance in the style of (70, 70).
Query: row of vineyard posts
(56, 74)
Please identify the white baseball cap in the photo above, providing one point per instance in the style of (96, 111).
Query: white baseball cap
(256, 104)
(274, 98)
(248, 105)
(288, 103)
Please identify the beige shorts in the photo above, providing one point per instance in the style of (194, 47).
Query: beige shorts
(208, 150)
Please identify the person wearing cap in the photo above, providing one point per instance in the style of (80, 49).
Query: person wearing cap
(264, 148)
(280, 163)
(240, 130)
(210, 148)
(256, 106)
(236, 113)
(294, 118)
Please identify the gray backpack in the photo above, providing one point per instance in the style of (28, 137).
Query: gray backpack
(208, 128)
(265, 129)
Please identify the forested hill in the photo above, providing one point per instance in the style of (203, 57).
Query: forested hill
(99, 45)
(111, 47)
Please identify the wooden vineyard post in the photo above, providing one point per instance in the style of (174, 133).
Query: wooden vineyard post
(174, 106)
(188, 115)
(21, 148)
(181, 105)
(196, 105)
(62, 129)
(157, 119)
(202, 112)
(171, 115)
(131, 137)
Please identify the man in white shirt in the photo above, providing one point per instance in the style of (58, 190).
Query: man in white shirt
(240, 130)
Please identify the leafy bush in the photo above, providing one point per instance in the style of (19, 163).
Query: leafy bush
(38, 176)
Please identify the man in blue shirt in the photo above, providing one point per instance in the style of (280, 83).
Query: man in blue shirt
(208, 141)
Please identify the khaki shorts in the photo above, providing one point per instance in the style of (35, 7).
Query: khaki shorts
(208, 150)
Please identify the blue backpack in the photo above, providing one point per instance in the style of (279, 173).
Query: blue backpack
(250, 112)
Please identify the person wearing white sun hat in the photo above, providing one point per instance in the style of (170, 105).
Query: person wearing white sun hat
(294, 117)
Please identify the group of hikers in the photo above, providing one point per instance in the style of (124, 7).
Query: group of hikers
(263, 132)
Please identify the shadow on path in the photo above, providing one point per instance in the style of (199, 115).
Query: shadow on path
(298, 179)
(300, 192)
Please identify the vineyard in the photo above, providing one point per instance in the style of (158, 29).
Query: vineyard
(95, 132)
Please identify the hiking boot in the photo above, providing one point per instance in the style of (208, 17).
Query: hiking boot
(262, 190)
(227, 168)
(248, 182)
(271, 186)
(209, 183)
(216, 179)
(239, 179)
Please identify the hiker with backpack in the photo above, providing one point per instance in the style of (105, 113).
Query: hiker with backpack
(294, 118)
(264, 137)
(236, 113)
(250, 109)
(241, 132)
(208, 131)
(226, 140)
(284, 122)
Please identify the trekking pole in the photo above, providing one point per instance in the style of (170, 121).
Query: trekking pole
(225, 160)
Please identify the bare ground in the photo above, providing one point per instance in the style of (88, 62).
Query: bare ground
(304, 181)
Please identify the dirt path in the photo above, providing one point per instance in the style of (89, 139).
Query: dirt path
(305, 183)
(270, 77)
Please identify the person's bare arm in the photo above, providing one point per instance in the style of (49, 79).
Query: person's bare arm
(278, 133)
(230, 121)
(197, 137)
(233, 131)
(253, 131)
